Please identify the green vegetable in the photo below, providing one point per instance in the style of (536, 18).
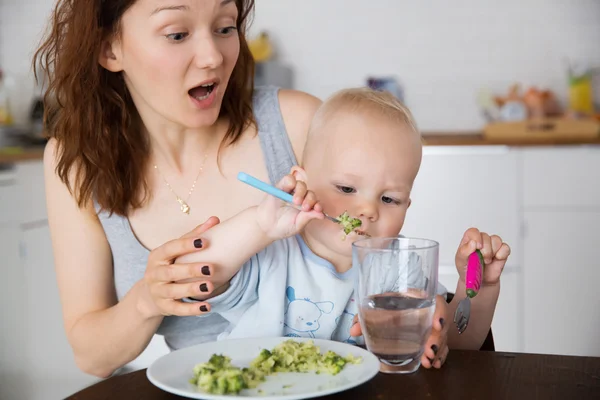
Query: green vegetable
(348, 223)
(218, 376)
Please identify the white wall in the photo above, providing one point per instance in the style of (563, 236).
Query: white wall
(441, 51)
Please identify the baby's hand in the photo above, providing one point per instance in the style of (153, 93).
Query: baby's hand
(280, 220)
(436, 348)
(495, 253)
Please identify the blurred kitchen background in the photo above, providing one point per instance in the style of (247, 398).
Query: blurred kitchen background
(507, 96)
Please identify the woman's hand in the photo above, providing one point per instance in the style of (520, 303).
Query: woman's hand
(167, 283)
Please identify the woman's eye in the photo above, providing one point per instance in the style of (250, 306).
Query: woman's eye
(177, 37)
(227, 31)
(346, 189)
(389, 200)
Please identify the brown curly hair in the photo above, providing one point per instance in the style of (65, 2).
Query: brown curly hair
(90, 113)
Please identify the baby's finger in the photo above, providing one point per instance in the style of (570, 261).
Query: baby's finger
(305, 217)
(355, 329)
(287, 183)
(464, 251)
(310, 200)
(472, 234)
(486, 250)
(503, 252)
(300, 192)
(496, 244)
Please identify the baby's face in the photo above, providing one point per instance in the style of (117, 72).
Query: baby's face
(364, 164)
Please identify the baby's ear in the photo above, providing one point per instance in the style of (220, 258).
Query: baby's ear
(299, 173)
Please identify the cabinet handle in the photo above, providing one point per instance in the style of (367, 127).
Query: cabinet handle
(34, 224)
(466, 150)
(8, 182)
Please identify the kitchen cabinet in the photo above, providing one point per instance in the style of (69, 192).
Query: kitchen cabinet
(15, 381)
(561, 281)
(565, 178)
(50, 358)
(561, 203)
(462, 187)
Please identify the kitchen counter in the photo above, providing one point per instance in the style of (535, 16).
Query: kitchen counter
(11, 156)
(429, 138)
(478, 139)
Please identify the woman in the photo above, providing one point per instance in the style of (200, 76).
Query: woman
(151, 113)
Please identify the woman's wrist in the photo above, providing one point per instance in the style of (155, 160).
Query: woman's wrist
(143, 301)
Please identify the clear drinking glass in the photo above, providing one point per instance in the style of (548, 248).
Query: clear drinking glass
(396, 288)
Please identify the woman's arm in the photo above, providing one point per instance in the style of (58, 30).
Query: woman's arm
(103, 333)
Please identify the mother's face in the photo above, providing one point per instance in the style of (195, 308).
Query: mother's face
(176, 57)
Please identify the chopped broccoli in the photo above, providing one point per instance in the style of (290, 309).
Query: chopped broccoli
(218, 376)
(348, 223)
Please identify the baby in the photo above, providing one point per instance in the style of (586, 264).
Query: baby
(362, 156)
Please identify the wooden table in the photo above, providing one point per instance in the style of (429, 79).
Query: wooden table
(466, 375)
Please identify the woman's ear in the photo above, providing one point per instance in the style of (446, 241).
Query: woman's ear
(110, 55)
(299, 173)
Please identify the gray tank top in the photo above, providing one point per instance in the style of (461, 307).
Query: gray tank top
(130, 257)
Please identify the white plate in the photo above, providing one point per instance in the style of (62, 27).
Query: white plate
(173, 371)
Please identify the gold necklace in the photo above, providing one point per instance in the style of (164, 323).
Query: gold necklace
(183, 205)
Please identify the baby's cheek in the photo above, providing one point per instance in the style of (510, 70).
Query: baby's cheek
(391, 225)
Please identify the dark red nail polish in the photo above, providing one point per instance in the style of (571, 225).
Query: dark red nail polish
(205, 270)
(198, 243)
(434, 348)
(204, 287)
(203, 308)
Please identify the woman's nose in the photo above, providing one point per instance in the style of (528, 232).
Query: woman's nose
(208, 54)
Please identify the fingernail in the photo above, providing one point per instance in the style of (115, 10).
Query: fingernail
(204, 287)
(442, 322)
(205, 270)
(203, 308)
(198, 243)
(434, 348)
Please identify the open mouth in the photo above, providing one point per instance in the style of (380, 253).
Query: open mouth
(203, 91)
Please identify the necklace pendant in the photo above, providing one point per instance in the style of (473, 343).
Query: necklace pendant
(185, 208)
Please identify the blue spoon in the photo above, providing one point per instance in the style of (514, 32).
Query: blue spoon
(273, 191)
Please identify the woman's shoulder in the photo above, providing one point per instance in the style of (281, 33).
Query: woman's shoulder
(297, 110)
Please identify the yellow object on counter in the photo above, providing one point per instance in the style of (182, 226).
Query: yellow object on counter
(581, 99)
(261, 47)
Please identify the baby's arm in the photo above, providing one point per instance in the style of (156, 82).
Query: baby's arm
(480, 321)
(228, 246)
(232, 243)
(495, 254)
